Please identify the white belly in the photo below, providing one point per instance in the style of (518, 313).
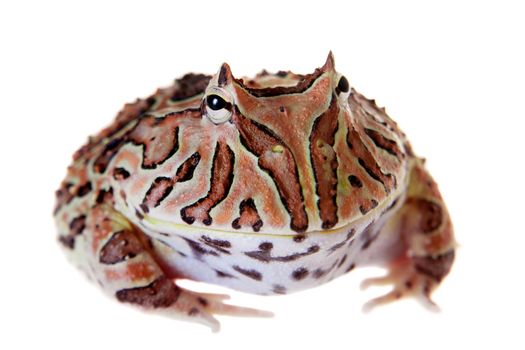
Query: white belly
(265, 264)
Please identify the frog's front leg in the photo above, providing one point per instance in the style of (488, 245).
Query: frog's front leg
(423, 224)
(125, 264)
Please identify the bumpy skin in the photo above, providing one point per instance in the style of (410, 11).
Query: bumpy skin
(293, 182)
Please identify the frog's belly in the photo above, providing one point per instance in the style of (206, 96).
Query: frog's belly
(266, 264)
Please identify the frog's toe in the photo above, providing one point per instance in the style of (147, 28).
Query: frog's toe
(406, 281)
(213, 303)
(200, 308)
(192, 307)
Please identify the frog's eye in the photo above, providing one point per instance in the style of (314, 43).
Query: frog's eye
(218, 109)
(343, 87)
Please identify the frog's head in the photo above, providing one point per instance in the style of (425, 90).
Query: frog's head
(269, 154)
(280, 129)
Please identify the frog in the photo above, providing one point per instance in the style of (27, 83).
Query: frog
(266, 185)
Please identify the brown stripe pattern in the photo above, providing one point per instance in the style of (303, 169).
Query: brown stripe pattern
(159, 143)
(160, 293)
(185, 171)
(162, 185)
(159, 190)
(384, 143)
(264, 253)
(110, 150)
(253, 274)
(324, 162)
(277, 159)
(159, 138)
(221, 181)
(367, 161)
(121, 246)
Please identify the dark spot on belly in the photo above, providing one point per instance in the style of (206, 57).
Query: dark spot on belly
(350, 267)
(318, 273)
(198, 249)
(279, 289)
(217, 244)
(264, 253)
(253, 274)
(222, 274)
(369, 235)
(300, 273)
(342, 261)
(350, 235)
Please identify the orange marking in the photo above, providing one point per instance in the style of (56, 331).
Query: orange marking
(141, 270)
(100, 228)
(79, 171)
(441, 241)
(138, 184)
(134, 272)
(127, 156)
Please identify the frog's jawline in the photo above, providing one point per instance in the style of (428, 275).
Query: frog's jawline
(167, 227)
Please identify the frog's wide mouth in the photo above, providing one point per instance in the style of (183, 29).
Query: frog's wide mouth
(169, 227)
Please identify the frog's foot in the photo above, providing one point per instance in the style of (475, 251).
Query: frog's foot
(425, 229)
(127, 266)
(411, 277)
(200, 307)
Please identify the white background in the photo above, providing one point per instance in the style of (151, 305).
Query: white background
(452, 75)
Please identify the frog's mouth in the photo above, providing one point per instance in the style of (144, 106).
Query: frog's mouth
(172, 228)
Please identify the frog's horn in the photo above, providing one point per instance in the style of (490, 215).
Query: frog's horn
(225, 75)
(329, 65)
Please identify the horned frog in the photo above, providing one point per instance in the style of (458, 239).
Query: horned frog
(267, 185)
